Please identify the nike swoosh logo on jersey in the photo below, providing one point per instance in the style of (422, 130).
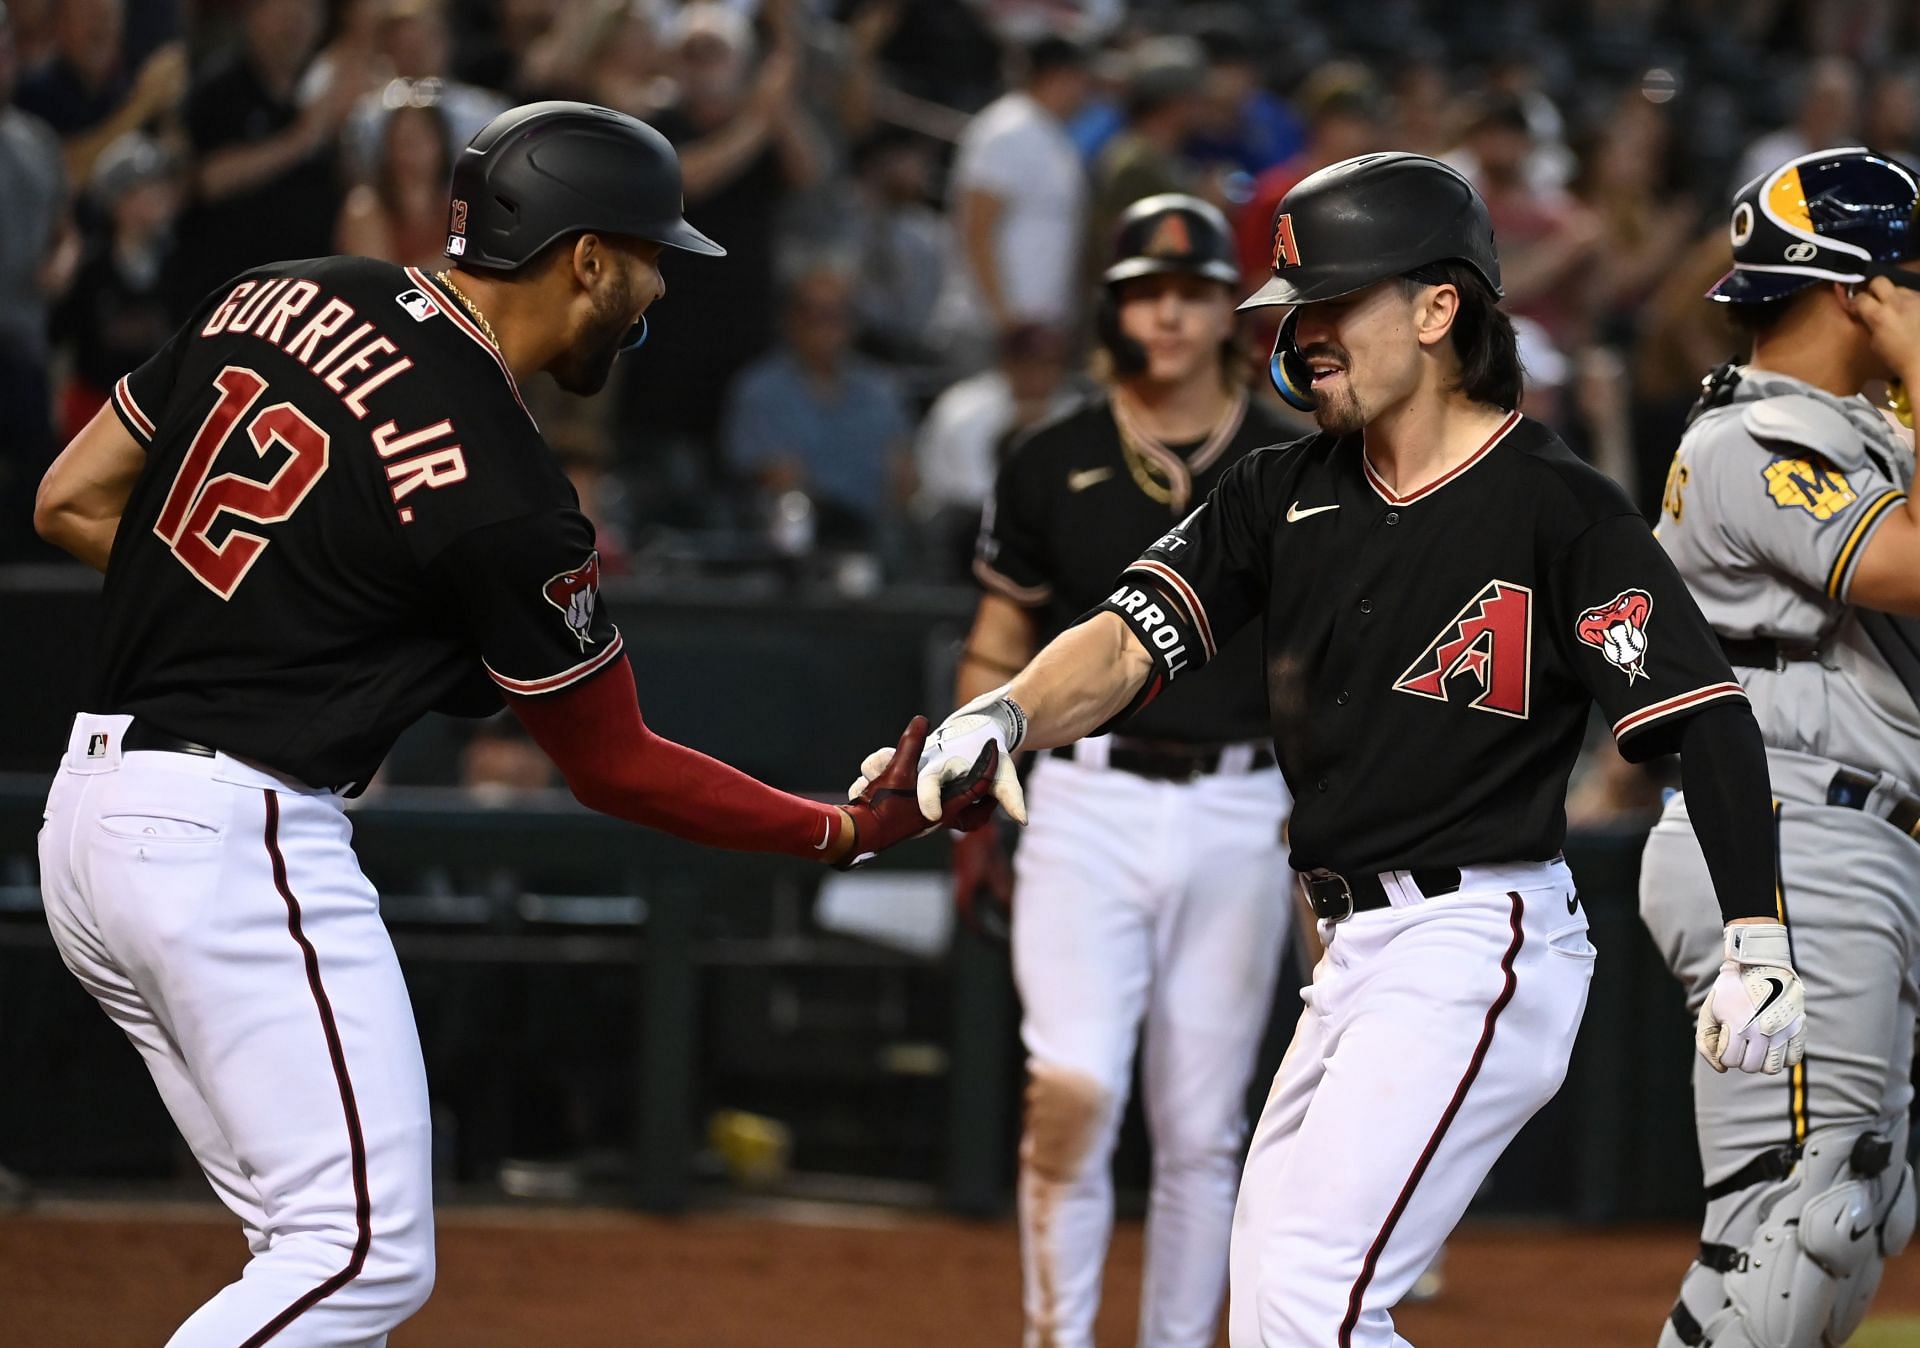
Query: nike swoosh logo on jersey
(1295, 514)
(1772, 997)
(826, 835)
(1087, 477)
(1573, 904)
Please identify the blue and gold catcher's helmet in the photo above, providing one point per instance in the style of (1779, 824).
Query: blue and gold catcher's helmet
(1845, 215)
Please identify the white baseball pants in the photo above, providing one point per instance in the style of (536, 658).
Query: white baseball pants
(1156, 905)
(218, 915)
(1432, 1031)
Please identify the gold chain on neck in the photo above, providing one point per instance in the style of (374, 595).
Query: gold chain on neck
(446, 279)
(1147, 475)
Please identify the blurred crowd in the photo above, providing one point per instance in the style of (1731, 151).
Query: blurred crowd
(915, 196)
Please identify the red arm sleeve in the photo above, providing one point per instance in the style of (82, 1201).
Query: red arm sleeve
(614, 764)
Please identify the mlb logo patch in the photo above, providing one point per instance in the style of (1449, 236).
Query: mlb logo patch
(418, 304)
(456, 246)
(96, 746)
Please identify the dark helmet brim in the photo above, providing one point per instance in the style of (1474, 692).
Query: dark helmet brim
(1750, 285)
(1285, 291)
(1130, 267)
(687, 239)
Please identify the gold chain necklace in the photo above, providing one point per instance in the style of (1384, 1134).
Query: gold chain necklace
(1147, 476)
(446, 279)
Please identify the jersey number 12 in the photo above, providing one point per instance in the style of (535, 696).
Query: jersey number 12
(194, 504)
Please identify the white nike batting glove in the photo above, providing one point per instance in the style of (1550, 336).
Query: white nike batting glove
(1755, 1016)
(954, 746)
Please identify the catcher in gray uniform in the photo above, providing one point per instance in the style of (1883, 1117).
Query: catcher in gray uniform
(1787, 512)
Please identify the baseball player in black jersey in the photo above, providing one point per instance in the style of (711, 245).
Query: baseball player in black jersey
(323, 511)
(1445, 591)
(1149, 886)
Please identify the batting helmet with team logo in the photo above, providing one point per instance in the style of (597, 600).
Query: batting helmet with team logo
(1168, 234)
(539, 172)
(1362, 221)
(542, 171)
(1843, 215)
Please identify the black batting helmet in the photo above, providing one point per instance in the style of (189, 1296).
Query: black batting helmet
(1173, 232)
(1362, 221)
(1156, 236)
(541, 171)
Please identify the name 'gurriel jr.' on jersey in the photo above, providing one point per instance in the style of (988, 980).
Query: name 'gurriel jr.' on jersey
(350, 519)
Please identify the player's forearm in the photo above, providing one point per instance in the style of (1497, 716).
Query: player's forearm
(1082, 679)
(1723, 770)
(614, 764)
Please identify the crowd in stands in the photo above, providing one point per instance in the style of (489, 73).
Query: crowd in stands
(915, 197)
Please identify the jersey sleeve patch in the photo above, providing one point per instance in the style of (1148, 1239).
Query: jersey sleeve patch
(575, 593)
(1618, 630)
(1810, 484)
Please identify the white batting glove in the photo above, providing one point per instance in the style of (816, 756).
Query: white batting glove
(1755, 1015)
(953, 747)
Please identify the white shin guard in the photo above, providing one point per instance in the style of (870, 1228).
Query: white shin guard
(1808, 1275)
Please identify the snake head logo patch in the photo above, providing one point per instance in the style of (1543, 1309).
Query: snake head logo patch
(1618, 630)
(574, 593)
(1808, 484)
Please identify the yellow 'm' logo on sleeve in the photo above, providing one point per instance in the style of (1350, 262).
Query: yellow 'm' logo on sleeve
(1810, 485)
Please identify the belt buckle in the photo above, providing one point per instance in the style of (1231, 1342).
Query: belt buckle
(1332, 905)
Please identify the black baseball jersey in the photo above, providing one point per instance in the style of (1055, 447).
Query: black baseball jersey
(1069, 511)
(347, 519)
(1431, 658)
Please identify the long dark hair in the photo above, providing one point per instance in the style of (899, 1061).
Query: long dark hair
(1482, 335)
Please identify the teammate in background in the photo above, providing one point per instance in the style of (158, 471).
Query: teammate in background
(1787, 513)
(1445, 590)
(1150, 881)
(323, 511)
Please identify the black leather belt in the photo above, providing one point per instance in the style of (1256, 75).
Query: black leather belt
(140, 736)
(1850, 790)
(1764, 652)
(1170, 762)
(1334, 897)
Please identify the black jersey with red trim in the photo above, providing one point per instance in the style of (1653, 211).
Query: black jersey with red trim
(347, 518)
(1069, 511)
(1431, 659)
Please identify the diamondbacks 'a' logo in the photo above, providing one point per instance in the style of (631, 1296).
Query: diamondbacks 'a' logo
(1618, 630)
(1489, 641)
(574, 593)
(1286, 253)
(1809, 484)
(1171, 237)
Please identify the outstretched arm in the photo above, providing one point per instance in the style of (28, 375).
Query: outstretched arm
(1081, 679)
(615, 764)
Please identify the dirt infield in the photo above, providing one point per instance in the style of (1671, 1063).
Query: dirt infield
(97, 1276)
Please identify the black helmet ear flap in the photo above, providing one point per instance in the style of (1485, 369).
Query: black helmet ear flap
(1289, 372)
